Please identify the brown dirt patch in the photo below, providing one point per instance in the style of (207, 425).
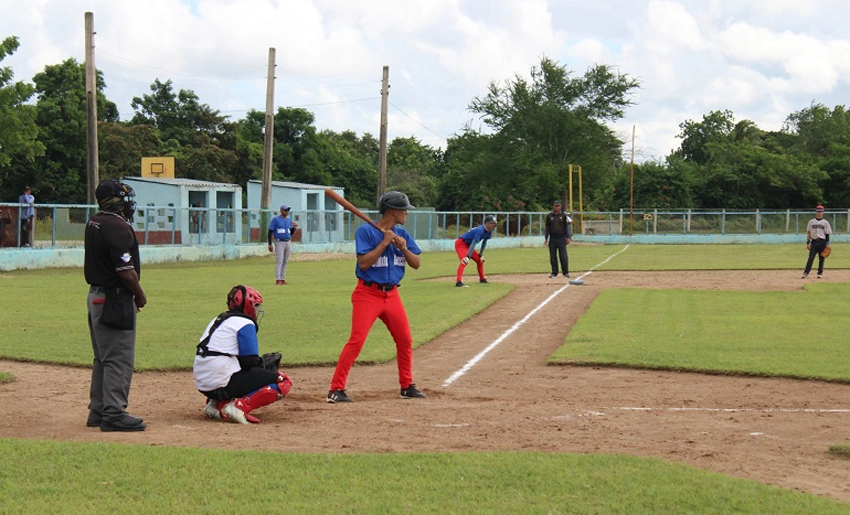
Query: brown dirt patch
(775, 431)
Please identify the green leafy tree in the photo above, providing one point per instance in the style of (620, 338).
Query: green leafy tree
(544, 124)
(60, 175)
(18, 130)
(823, 135)
(121, 147)
(411, 168)
(352, 164)
(656, 185)
(736, 165)
(179, 116)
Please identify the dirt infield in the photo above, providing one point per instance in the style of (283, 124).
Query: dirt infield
(775, 431)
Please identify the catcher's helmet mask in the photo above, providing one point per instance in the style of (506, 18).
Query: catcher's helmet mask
(395, 200)
(246, 300)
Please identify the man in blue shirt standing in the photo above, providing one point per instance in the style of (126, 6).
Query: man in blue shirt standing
(27, 212)
(281, 229)
(465, 248)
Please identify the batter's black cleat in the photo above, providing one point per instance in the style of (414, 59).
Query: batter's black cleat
(412, 393)
(567, 276)
(553, 276)
(483, 281)
(805, 275)
(335, 396)
(820, 276)
(459, 284)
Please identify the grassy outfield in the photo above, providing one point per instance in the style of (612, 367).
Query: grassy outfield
(71, 478)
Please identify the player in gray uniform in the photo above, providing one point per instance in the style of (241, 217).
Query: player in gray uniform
(817, 239)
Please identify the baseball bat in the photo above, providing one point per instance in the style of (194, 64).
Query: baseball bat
(350, 207)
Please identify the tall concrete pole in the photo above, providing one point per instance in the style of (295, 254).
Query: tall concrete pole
(382, 153)
(91, 113)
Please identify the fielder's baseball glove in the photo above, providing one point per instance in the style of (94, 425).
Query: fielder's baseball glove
(826, 252)
(271, 360)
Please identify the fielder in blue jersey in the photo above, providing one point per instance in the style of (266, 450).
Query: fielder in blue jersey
(465, 248)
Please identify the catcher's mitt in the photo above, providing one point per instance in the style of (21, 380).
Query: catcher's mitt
(826, 252)
(271, 361)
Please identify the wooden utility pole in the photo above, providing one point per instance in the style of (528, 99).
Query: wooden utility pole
(632, 187)
(382, 153)
(92, 173)
(268, 142)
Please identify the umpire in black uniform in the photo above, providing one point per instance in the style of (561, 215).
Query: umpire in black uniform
(558, 233)
(112, 268)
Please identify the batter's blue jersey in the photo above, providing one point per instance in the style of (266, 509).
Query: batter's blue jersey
(389, 269)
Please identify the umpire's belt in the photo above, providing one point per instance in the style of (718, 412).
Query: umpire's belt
(379, 286)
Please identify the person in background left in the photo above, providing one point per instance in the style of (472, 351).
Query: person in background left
(281, 229)
(27, 213)
(465, 248)
(111, 262)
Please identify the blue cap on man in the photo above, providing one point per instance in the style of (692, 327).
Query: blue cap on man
(284, 207)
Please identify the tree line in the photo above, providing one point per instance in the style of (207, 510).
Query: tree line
(532, 129)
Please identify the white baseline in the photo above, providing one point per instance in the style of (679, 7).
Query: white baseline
(471, 363)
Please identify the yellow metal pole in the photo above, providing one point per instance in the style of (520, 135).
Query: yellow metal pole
(580, 203)
(571, 188)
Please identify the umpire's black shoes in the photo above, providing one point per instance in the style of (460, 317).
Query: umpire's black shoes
(126, 424)
(411, 393)
(335, 396)
(553, 276)
(567, 276)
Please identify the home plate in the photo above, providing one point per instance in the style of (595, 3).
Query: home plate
(577, 281)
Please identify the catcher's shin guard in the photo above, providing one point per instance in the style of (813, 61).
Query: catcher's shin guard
(262, 397)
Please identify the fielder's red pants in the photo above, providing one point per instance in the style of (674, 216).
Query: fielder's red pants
(369, 304)
(462, 249)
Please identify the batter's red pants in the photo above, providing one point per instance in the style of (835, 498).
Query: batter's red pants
(369, 304)
(462, 249)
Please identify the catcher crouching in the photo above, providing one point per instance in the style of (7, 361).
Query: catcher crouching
(228, 368)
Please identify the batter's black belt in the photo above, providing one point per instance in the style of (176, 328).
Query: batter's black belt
(379, 286)
(279, 240)
(97, 289)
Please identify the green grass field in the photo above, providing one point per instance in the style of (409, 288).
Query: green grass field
(764, 333)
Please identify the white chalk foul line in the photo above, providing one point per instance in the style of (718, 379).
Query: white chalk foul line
(471, 363)
(732, 410)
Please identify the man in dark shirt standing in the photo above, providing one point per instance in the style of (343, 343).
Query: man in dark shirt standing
(558, 234)
(112, 268)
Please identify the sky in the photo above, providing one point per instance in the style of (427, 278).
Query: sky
(760, 59)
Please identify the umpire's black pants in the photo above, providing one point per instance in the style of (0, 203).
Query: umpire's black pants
(558, 252)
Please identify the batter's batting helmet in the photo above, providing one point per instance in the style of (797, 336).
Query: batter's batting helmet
(244, 299)
(395, 200)
(489, 219)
